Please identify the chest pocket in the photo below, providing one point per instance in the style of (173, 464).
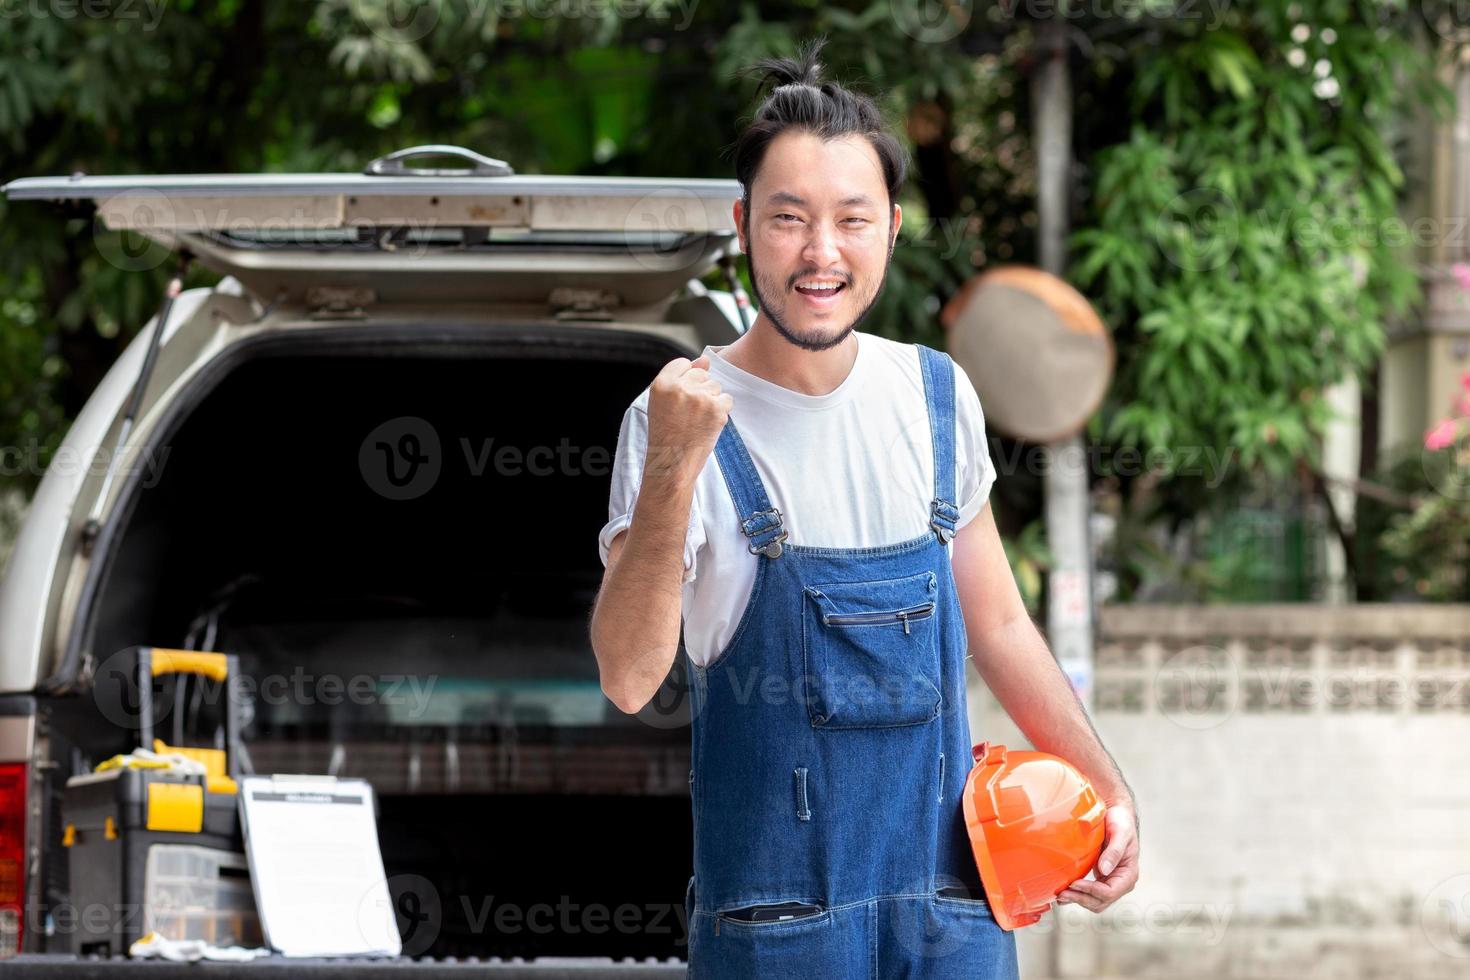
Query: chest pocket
(871, 652)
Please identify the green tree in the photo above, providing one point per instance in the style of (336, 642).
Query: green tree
(1244, 240)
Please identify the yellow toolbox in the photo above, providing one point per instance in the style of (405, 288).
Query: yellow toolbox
(159, 849)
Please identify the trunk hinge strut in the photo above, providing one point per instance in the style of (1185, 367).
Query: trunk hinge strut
(732, 279)
(93, 527)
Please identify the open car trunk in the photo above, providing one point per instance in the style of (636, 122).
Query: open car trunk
(397, 537)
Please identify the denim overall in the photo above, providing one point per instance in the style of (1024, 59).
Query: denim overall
(830, 746)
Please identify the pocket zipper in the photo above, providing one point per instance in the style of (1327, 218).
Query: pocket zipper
(922, 611)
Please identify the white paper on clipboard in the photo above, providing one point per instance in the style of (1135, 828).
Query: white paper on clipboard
(316, 867)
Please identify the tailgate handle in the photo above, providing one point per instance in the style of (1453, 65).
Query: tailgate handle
(394, 164)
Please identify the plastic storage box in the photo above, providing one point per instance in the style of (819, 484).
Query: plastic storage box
(192, 892)
(115, 821)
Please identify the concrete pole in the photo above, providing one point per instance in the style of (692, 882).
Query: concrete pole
(1069, 614)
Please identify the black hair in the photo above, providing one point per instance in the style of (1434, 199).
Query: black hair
(801, 100)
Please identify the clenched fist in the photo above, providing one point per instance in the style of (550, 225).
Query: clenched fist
(686, 412)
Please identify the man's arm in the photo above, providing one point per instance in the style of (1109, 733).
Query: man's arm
(635, 622)
(637, 615)
(1020, 670)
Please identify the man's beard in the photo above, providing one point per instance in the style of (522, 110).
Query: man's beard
(812, 341)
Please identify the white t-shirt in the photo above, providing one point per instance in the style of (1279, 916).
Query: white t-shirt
(853, 468)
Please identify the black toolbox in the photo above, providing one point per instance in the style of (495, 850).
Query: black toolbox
(158, 849)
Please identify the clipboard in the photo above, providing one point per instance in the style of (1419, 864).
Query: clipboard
(317, 870)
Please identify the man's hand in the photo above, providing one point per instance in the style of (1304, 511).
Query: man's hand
(686, 413)
(1117, 866)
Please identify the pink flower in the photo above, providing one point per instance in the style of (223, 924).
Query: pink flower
(1461, 272)
(1465, 381)
(1442, 435)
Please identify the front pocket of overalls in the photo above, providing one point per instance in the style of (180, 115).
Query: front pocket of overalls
(768, 915)
(959, 897)
(871, 652)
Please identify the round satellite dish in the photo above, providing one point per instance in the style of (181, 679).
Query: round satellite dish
(1037, 352)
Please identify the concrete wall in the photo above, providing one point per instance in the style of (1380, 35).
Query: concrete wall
(1303, 778)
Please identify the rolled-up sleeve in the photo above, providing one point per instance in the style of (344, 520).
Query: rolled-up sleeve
(627, 478)
(976, 471)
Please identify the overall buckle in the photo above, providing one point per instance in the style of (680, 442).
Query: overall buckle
(943, 516)
(760, 523)
(772, 548)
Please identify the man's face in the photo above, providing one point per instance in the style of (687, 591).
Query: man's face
(819, 216)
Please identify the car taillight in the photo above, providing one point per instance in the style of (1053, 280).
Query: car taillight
(12, 855)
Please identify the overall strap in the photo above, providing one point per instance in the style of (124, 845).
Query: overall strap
(760, 522)
(938, 372)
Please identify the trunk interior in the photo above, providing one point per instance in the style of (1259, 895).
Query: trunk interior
(398, 540)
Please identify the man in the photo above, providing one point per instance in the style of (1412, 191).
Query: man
(811, 502)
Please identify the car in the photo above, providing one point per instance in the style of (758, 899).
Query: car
(371, 463)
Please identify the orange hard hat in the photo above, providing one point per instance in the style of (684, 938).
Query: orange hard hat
(1036, 826)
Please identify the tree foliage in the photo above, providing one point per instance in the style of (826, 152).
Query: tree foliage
(1244, 240)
